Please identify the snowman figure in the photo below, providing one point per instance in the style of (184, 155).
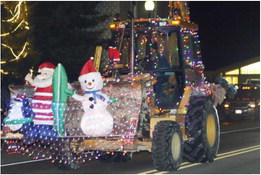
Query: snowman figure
(15, 113)
(20, 114)
(97, 120)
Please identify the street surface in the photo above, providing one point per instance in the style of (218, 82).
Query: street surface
(239, 153)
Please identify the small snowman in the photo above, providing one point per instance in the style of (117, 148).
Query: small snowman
(97, 120)
(20, 114)
(15, 113)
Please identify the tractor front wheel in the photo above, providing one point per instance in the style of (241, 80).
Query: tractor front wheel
(167, 147)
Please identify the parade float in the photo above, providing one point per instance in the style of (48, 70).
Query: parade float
(152, 97)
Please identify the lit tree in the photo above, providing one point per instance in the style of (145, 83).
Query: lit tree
(15, 38)
(15, 61)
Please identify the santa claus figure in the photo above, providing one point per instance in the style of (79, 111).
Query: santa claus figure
(96, 121)
(42, 105)
(114, 55)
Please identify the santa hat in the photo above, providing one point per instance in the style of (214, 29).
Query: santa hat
(46, 66)
(87, 68)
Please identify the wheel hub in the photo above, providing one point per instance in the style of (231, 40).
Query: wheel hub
(211, 130)
(176, 146)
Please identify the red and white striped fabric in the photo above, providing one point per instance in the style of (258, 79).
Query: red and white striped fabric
(42, 106)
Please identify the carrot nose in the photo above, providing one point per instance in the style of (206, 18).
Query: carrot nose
(89, 83)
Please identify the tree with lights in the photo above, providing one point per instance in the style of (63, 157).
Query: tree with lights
(15, 45)
(15, 39)
(60, 34)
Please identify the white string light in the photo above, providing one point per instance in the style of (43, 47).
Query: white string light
(17, 21)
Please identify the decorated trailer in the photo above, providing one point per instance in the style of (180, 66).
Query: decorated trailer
(152, 97)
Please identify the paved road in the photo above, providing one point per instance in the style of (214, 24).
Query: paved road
(239, 153)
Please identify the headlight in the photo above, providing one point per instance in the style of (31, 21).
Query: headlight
(252, 105)
(226, 105)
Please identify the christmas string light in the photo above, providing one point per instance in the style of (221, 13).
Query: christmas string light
(17, 20)
(17, 57)
(132, 94)
(16, 13)
(4, 72)
(16, 28)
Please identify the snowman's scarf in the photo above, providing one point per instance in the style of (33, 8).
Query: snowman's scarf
(95, 95)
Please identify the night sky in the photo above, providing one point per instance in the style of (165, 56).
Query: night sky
(229, 31)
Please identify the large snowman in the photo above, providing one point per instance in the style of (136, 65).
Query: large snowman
(96, 121)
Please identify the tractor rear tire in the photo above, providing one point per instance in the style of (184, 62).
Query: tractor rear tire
(167, 147)
(202, 127)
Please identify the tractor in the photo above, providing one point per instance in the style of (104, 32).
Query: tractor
(163, 105)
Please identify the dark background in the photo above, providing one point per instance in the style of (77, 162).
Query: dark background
(61, 31)
(229, 31)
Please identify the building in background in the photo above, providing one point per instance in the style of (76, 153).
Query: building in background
(238, 73)
(242, 71)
